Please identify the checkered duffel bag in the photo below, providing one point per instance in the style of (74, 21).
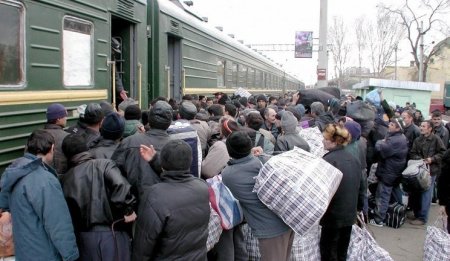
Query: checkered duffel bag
(298, 187)
(314, 138)
(437, 242)
(214, 229)
(363, 246)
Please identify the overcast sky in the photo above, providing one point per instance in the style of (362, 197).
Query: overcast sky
(264, 21)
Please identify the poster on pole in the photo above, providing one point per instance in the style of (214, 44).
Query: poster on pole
(303, 44)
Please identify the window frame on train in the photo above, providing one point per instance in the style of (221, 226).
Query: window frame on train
(18, 59)
(77, 57)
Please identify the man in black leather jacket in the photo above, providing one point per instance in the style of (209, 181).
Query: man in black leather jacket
(98, 196)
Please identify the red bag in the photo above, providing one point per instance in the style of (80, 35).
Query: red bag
(6, 237)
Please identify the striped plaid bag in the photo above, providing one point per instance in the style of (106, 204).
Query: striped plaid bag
(307, 247)
(437, 241)
(297, 186)
(251, 243)
(314, 138)
(363, 246)
(214, 229)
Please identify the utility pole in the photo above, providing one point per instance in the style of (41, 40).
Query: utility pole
(421, 53)
(322, 67)
(395, 70)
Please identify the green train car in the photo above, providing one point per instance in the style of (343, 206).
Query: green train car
(60, 51)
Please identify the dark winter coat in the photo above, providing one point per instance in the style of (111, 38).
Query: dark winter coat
(173, 217)
(104, 148)
(59, 159)
(393, 152)
(96, 192)
(442, 133)
(42, 226)
(324, 119)
(287, 141)
(411, 133)
(443, 189)
(429, 147)
(342, 209)
(139, 173)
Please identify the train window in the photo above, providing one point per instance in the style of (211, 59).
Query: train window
(242, 76)
(228, 73)
(250, 77)
(11, 44)
(77, 49)
(258, 79)
(234, 78)
(220, 73)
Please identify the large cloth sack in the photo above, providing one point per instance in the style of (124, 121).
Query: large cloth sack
(214, 229)
(416, 176)
(437, 242)
(374, 97)
(224, 203)
(251, 243)
(361, 111)
(307, 247)
(182, 129)
(297, 186)
(314, 138)
(309, 96)
(363, 246)
(336, 92)
(6, 236)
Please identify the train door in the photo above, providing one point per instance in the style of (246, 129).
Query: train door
(124, 33)
(174, 56)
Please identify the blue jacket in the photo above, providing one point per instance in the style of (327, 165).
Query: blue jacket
(393, 152)
(42, 227)
(239, 177)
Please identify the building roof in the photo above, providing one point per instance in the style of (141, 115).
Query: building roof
(408, 85)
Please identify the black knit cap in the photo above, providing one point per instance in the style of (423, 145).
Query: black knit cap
(239, 144)
(160, 115)
(112, 126)
(132, 112)
(74, 144)
(176, 155)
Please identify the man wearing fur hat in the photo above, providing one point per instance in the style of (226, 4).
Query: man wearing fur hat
(139, 172)
(56, 121)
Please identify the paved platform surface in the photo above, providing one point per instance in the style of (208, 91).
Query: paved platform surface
(406, 242)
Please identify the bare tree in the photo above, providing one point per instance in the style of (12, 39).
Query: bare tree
(340, 46)
(382, 38)
(428, 13)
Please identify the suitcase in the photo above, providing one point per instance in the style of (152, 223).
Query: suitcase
(395, 215)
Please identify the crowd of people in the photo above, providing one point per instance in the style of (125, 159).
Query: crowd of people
(128, 172)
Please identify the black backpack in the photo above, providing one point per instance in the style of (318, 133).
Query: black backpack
(395, 215)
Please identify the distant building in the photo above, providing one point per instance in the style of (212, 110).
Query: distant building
(438, 69)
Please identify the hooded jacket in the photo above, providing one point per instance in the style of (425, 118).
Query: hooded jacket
(173, 217)
(290, 136)
(42, 225)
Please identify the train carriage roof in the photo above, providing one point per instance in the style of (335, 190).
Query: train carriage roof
(186, 16)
